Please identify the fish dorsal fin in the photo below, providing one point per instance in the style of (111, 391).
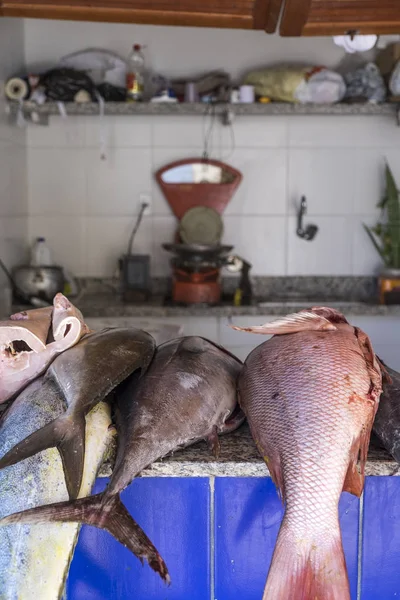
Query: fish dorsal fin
(293, 323)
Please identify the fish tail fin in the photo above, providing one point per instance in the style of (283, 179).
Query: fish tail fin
(104, 512)
(65, 433)
(307, 569)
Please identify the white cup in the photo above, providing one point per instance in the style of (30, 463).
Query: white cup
(246, 94)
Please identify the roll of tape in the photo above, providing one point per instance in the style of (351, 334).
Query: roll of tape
(16, 89)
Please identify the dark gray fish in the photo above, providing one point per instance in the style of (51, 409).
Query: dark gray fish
(84, 375)
(187, 394)
(387, 421)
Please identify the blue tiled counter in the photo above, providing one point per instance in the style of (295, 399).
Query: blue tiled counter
(217, 533)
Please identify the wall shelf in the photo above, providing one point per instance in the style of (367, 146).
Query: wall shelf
(40, 113)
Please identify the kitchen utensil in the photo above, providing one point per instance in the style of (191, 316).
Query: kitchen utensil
(135, 268)
(246, 94)
(201, 225)
(40, 282)
(135, 276)
(191, 94)
(243, 293)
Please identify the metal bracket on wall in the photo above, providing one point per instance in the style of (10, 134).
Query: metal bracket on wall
(16, 115)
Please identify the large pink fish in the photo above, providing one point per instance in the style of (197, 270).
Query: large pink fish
(30, 340)
(310, 394)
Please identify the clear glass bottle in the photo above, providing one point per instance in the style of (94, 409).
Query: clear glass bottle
(135, 74)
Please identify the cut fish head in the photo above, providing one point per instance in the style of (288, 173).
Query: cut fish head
(31, 339)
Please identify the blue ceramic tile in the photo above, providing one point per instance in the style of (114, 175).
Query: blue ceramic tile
(381, 539)
(248, 513)
(174, 512)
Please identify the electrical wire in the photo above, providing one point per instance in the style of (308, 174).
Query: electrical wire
(208, 133)
(136, 227)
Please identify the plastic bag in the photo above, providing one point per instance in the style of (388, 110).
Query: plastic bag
(298, 84)
(366, 83)
(102, 66)
(394, 81)
(63, 85)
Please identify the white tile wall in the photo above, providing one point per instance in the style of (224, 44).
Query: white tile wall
(13, 181)
(336, 162)
(74, 196)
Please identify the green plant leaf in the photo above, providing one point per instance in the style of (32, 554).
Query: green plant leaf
(393, 213)
(387, 230)
(378, 248)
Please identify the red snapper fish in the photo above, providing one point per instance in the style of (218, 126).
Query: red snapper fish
(310, 394)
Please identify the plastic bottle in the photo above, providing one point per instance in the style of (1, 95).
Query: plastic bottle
(40, 254)
(135, 74)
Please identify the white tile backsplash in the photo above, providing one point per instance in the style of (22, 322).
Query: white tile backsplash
(257, 132)
(124, 132)
(61, 133)
(351, 132)
(114, 185)
(164, 230)
(13, 176)
(262, 190)
(180, 132)
(56, 181)
(330, 253)
(366, 260)
(260, 240)
(336, 162)
(107, 239)
(326, 178)
(66, 238)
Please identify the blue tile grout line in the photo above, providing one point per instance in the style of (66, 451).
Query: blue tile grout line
(360, 546)
(212, 537)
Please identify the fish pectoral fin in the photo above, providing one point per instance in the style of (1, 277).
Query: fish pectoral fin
(213, 441)
(65, 433)
(355, 476)
(293, 323)
(105, 513)
(44, 438)
(72, 451)
(274, 467)
(234, 421)
(373, 364)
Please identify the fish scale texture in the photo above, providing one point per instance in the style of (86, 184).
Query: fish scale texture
(306, 396)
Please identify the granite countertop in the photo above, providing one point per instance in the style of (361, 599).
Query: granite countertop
(111, 306)
(238, 457)
(100, 298)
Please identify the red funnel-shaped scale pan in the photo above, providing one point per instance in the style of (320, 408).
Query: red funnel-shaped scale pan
(187, 193)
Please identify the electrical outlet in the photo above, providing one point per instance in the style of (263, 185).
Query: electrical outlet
(145, 197)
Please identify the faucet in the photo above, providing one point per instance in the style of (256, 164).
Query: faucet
(310, 231)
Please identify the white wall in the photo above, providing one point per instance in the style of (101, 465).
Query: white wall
(86, 207)
(13, 189)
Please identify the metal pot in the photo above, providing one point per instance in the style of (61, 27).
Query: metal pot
(40, 282)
